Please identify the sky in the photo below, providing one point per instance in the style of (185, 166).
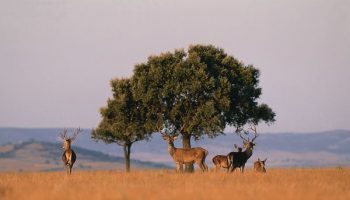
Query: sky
(57, 57)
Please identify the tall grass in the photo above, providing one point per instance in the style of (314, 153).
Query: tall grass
(285, 184)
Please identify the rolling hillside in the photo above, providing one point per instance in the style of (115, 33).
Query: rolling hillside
(45, 156)
(331, 148)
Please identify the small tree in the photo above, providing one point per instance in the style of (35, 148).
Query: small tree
(199, 92)
(122, 121)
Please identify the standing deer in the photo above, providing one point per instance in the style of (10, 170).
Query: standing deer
(220, 161)
(239, 159)
(69, 155)
(181, 156)
(259, 165)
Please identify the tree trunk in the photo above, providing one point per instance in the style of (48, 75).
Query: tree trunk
(127, 147)
(186, 143)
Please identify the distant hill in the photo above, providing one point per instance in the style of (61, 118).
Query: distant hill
(46, 156)
(330, 148)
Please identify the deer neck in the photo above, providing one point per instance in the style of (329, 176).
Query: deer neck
(66, 144)
(171, 148)
(248, 152)
(66, 147)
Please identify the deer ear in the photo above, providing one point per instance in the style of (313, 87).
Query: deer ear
(265, 159)
(259, 159)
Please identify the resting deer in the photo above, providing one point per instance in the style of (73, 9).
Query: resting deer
(220, 161)
(181, 156)
(259, 165)
(69, 156)
(239, 159)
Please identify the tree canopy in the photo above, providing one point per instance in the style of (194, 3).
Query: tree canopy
(123, 119)
(199, 92)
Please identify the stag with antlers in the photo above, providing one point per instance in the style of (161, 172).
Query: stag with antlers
(239, 159)
(69, 155)
(181, 156)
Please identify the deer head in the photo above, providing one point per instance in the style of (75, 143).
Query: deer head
(260, 165)
(262, 162)
(247, 143)
(169, 138)
(68, 140)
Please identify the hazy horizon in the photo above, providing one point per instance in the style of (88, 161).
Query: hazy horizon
(57, 57)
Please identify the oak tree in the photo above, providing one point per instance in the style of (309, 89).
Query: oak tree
(199, 92)
(123, 119)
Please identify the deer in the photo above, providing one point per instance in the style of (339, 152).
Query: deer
(239, 159)
(259, 165)
(69, 157)
(220, 161)
(185, 155)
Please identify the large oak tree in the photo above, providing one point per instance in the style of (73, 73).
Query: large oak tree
(199, 92)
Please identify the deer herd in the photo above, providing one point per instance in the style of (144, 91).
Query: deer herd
(231, 161)
(181, 156)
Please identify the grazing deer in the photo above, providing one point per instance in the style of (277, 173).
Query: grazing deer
(181, 156)
(69, 155)
(220, 161)
(239, 159)
(259, 165)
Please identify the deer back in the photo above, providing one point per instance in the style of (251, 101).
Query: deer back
(221, 160)
(189, 155)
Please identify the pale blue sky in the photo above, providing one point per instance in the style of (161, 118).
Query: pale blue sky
(58, 56)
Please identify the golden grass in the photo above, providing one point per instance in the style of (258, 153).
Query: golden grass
(285, 184)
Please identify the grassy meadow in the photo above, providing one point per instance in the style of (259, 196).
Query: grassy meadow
(286, 184)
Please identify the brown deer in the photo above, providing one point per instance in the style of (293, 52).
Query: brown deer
(220, 161)
(181, 156)
(259, 165)
(239, 159)
(69, 156)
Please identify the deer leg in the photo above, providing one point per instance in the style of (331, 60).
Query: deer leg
(242, 168)
(177, 167)
(232, 169)
(67, 169)
(217, 167)
(228, 166)
(202, 166)
(181, 167)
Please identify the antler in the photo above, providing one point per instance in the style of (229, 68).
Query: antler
(253, 128)
(244, 139)
(75, 134)
(63, 134)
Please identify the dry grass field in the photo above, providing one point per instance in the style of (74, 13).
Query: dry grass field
(286, 184)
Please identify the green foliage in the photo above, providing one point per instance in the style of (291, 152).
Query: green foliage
(123, 118)
(199, 92)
